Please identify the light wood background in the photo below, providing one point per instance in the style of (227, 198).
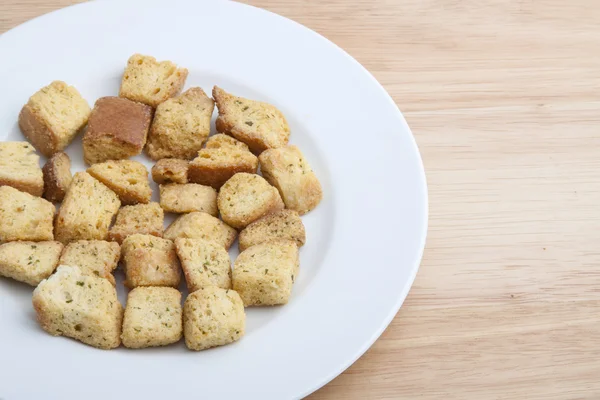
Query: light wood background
(504, 100)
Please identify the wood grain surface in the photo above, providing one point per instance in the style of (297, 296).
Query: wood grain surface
(504, 100)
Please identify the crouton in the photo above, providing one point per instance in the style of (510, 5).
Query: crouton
(285, 224)
(199, 225)
(260, 125)
(149, 261)
(53, 116)
(19, 168)
(204, 263)
(87, 210)
(79, 306)
(147, 219)
(24, 217)
(127, 178)
(153, 317)
(170, 170)
(29, 262)
(117, 130)
(287, 170)
(181, 125)
(245, 198)
(213, 316)
(57, 177)
(222, 158)
(93, 257)
(189, 197)
(151, 82)
(263, 274)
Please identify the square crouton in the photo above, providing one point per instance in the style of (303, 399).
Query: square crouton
(146, 219)
(213, 316)
(181, 125)
(153, 317)
(117, 129)
(151, 82)
(284, 224)
(53, 116)
(263, 275)
(79, 306)
(188, 197)
(287, 170)
(222, 158)
(149, 261)
(170, 170)
(29, 262)
(260, 125)
(247, 197)
(199, 225)
(93, 257)
(19, 167)
(24, 217)
(57, 177)
(87, 210)
(127, 178)
(204, 263)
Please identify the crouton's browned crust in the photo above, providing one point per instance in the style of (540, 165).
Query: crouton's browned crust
(57, 177)
(170, 170)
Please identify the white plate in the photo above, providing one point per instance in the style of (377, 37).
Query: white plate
(364, 241)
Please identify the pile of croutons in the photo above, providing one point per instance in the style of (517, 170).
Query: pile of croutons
(106, 216)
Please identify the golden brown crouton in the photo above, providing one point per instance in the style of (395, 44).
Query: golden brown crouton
(170, 170)
(93, 257)
(19, 167)
(57, 177)
(29, 262)
(53, 116)
(83, 307)
(153, 317)
(146, 219)
(204, 263)
(87, 210)
(24, 217)
(189, 197)
(181, 126)
(285, 224)
(127, 178)
(117, 130)
(199, 225)
(260, 125)
(245, 198)
(149, 261)
(213, 317)
(151, 82)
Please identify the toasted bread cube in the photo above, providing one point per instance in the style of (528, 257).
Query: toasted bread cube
(87, 210)
(29, 262)
(260, 125)
(53, 116)
(199, 225)
(151, 82)
(189, 197)
(83, 307)
(57, 177)
(287, 170)
(204, 263)
(147, 219)
(245, 198)
(284, 224)
(153, 317)
(93, 257)
(127, 178)
(222, 158)
(149, 261)
(24, 217)
(263, 274)
(117, 130)
(19, 168)
(212, 317)
(181, 125)
(170, 170)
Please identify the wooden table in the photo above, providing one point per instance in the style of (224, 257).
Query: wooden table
(503, 97)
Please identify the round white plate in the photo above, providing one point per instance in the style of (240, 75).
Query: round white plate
(364, 241)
